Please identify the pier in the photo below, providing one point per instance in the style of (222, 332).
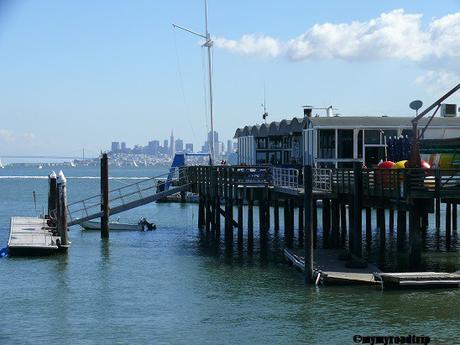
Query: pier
(348, 198)
(47, 234)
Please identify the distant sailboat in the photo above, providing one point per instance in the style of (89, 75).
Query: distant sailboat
(134, 163)
(72, 164)
(40, 166)
(1, 165)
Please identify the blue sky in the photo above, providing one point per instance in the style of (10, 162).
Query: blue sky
(84, 73)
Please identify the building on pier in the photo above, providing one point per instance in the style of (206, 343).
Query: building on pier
(276, 143)
(332, 141)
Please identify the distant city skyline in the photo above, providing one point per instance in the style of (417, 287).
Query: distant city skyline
(73, 77)
(172, 145)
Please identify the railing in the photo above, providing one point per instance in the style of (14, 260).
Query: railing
(286, 177)
(252, 175)
(322, 179)
(125, 195)
(397, 184)
(401, 183)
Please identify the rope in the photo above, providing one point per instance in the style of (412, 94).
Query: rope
(181, 79)
(205, 91)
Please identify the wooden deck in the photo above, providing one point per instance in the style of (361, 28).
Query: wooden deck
(31, 236)
(334, 271)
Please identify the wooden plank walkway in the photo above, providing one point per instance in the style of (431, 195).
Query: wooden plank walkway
(333, 271)
(31, 236)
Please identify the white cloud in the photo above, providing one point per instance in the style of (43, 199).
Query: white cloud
(251, 45)
(396, 35)
(392, 35)
(439, 82)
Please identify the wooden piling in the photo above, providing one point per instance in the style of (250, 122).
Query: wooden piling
(276, 216)
(368, 226)
(201, 211)
(381, 225)
(335, 233)
(437, 200)
(301, 225)
(207, 214)
(401, 229)
(438, 214)
(286, 220)
(326, 217)
(343, 223)
(391, 219)
(448, 223)
(62, 210)
(250, 221)
(288, 223)
(308, 238)
(240, 222)
(454, 217)
(52, 195)
(314, 220)
(105, 196)
(357, 209)
(217, 216)
(415, 244)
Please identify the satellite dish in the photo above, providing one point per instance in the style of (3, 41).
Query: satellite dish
(416, 105)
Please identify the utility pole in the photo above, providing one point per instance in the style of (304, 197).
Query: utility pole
(208, 44)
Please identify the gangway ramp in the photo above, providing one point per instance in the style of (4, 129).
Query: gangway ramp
(130, 196)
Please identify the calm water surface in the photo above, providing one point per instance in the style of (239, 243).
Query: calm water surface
(172, 287)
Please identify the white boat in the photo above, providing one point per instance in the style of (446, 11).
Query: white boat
(91, 225)
(72, 164)
(134, 163)
(1, 165)
(142, 225)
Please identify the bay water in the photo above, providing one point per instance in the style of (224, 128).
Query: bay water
(173, 286)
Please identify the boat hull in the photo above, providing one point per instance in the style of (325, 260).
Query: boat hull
(96, 226)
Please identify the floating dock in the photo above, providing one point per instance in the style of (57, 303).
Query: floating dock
(331, 270)
(419, 280)
(33, 236)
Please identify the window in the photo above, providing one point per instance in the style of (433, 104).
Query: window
(372, 137)
(345, 143)
(326, 143)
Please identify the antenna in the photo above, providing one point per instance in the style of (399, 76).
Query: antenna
(264, 105)
(208, 44)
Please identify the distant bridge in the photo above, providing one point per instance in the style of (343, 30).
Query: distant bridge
(41, 157)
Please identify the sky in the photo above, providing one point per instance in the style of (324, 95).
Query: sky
(81, 74)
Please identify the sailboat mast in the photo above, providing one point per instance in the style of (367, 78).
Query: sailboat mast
(208, 44)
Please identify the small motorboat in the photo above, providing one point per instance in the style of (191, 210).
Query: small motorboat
(142, 225)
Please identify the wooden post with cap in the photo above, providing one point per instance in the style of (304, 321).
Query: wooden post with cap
(104, 196)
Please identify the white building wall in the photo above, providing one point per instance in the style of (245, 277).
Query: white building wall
(246, 150)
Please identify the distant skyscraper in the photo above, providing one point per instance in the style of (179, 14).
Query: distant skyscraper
(115, 146)
(153, 147)
(229, 146)
(219, 148)
(179, 145)
(216, 143)
(189, 148)
(172, 146)
(123, 147)
(165, 145)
